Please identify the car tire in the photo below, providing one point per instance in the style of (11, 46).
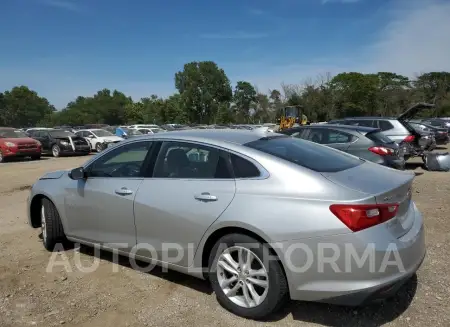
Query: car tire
(51, 226)
(270, 298)
(36, 157)
(2, 158)
(56, 151)
(99, 147)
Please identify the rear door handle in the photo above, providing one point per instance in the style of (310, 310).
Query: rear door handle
(123, 191)
(205, 197)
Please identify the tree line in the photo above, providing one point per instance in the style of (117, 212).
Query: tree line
(206, 96)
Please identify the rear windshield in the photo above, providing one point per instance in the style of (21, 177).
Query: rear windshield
(304, 153)
(379, 137)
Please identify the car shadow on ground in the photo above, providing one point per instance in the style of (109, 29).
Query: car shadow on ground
(26, 159)
(371, 315)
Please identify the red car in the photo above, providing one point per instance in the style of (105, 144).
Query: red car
(15, 143)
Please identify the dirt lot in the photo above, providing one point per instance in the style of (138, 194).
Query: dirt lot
(31, 296)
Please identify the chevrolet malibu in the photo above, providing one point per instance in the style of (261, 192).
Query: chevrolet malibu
(263, 218)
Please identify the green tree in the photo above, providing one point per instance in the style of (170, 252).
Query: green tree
(203, 86)
(244, 98)
(22, 107)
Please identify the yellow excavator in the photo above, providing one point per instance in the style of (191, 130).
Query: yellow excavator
(292, 115)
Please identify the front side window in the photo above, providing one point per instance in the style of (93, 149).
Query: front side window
(189, 160)
(124, 161)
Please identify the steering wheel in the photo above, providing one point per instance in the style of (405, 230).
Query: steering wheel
(131, 169)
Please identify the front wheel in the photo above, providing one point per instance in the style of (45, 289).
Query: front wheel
(99, 147)
(52, 229)
(246, 279)
(56, 151)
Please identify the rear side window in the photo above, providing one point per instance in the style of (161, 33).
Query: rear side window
(379, 137)
(385, 125)
(363, 122)
(243, 168)
(319, 158)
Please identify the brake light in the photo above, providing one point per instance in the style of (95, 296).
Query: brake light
(381, 150)
(361, 216)
(409, 139)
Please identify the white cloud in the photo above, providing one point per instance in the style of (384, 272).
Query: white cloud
(70, 5)
(415, 40)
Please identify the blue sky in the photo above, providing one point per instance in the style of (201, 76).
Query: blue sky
(65, 48)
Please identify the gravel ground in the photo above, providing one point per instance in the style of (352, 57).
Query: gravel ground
(121, 296)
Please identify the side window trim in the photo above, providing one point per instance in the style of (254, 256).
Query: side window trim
(144, 170)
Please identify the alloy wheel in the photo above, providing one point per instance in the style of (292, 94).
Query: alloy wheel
(55, 151)
(43, 224)
(242, 277)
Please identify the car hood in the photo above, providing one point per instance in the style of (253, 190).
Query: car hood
(413, 110)
(18, 140)
(54, 174)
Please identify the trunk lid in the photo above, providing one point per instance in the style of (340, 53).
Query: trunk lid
(413, 110)
(386, 186)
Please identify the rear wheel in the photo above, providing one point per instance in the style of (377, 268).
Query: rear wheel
(56, 151)
(245, 281)
(52, 229)
(2, 158)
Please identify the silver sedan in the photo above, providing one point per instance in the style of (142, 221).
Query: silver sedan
(263, 217)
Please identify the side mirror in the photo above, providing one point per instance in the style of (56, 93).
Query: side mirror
(77, 173)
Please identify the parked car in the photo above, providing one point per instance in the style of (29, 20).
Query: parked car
(150, 130)
(58, 142)
(98, 138)
(398, 129)
(15, 143)
(213, 193)
(143, 126)
(364, 142)
(437, 122)
(440, 133)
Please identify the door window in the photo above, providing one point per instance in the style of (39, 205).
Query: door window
(189, 160)
(385, 125)
(364, 122)
(124, 161)
(338, 137)
(328, 136)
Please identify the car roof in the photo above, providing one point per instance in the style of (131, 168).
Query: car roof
(368, 117)
(236, 136)
(356, 128)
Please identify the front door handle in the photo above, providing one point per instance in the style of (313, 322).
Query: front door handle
(205, 197)
(124, 191)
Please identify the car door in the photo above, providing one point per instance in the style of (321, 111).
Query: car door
(45, 140)
(191, 187)
(100, 208)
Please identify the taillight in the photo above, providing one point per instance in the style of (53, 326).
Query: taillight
(381, 150)
(361, 216)
(409, 139)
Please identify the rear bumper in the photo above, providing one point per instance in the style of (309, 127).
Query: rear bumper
(370, 264)
(68, 150)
